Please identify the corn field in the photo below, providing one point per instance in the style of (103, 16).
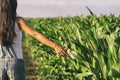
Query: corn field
(93, 44)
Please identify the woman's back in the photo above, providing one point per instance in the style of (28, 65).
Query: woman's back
(17, 42)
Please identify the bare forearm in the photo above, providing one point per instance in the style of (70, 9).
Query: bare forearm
(41, 38)
(60, 50)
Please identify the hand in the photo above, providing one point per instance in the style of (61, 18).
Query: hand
(61, 51)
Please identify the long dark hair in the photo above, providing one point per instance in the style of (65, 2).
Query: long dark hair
(7, 21)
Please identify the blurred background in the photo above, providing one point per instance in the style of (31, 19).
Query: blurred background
(55, 8)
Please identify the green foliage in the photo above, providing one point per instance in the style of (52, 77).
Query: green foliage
(93, 45)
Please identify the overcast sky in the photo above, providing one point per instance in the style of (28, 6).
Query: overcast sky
(54, 8)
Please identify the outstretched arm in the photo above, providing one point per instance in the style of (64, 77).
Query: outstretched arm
(40, 37)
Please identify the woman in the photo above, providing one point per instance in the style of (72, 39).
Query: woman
(11, 27)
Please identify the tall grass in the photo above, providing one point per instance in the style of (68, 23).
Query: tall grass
(93, 45)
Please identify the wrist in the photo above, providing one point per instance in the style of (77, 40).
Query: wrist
(54, 45)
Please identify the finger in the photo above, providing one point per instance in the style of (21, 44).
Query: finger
(63, 53)
(65, 50)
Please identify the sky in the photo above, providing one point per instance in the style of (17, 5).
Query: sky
(55, 8)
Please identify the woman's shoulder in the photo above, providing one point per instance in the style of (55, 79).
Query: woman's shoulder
(19, 18)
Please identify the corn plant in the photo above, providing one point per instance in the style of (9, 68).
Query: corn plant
(93, 45)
